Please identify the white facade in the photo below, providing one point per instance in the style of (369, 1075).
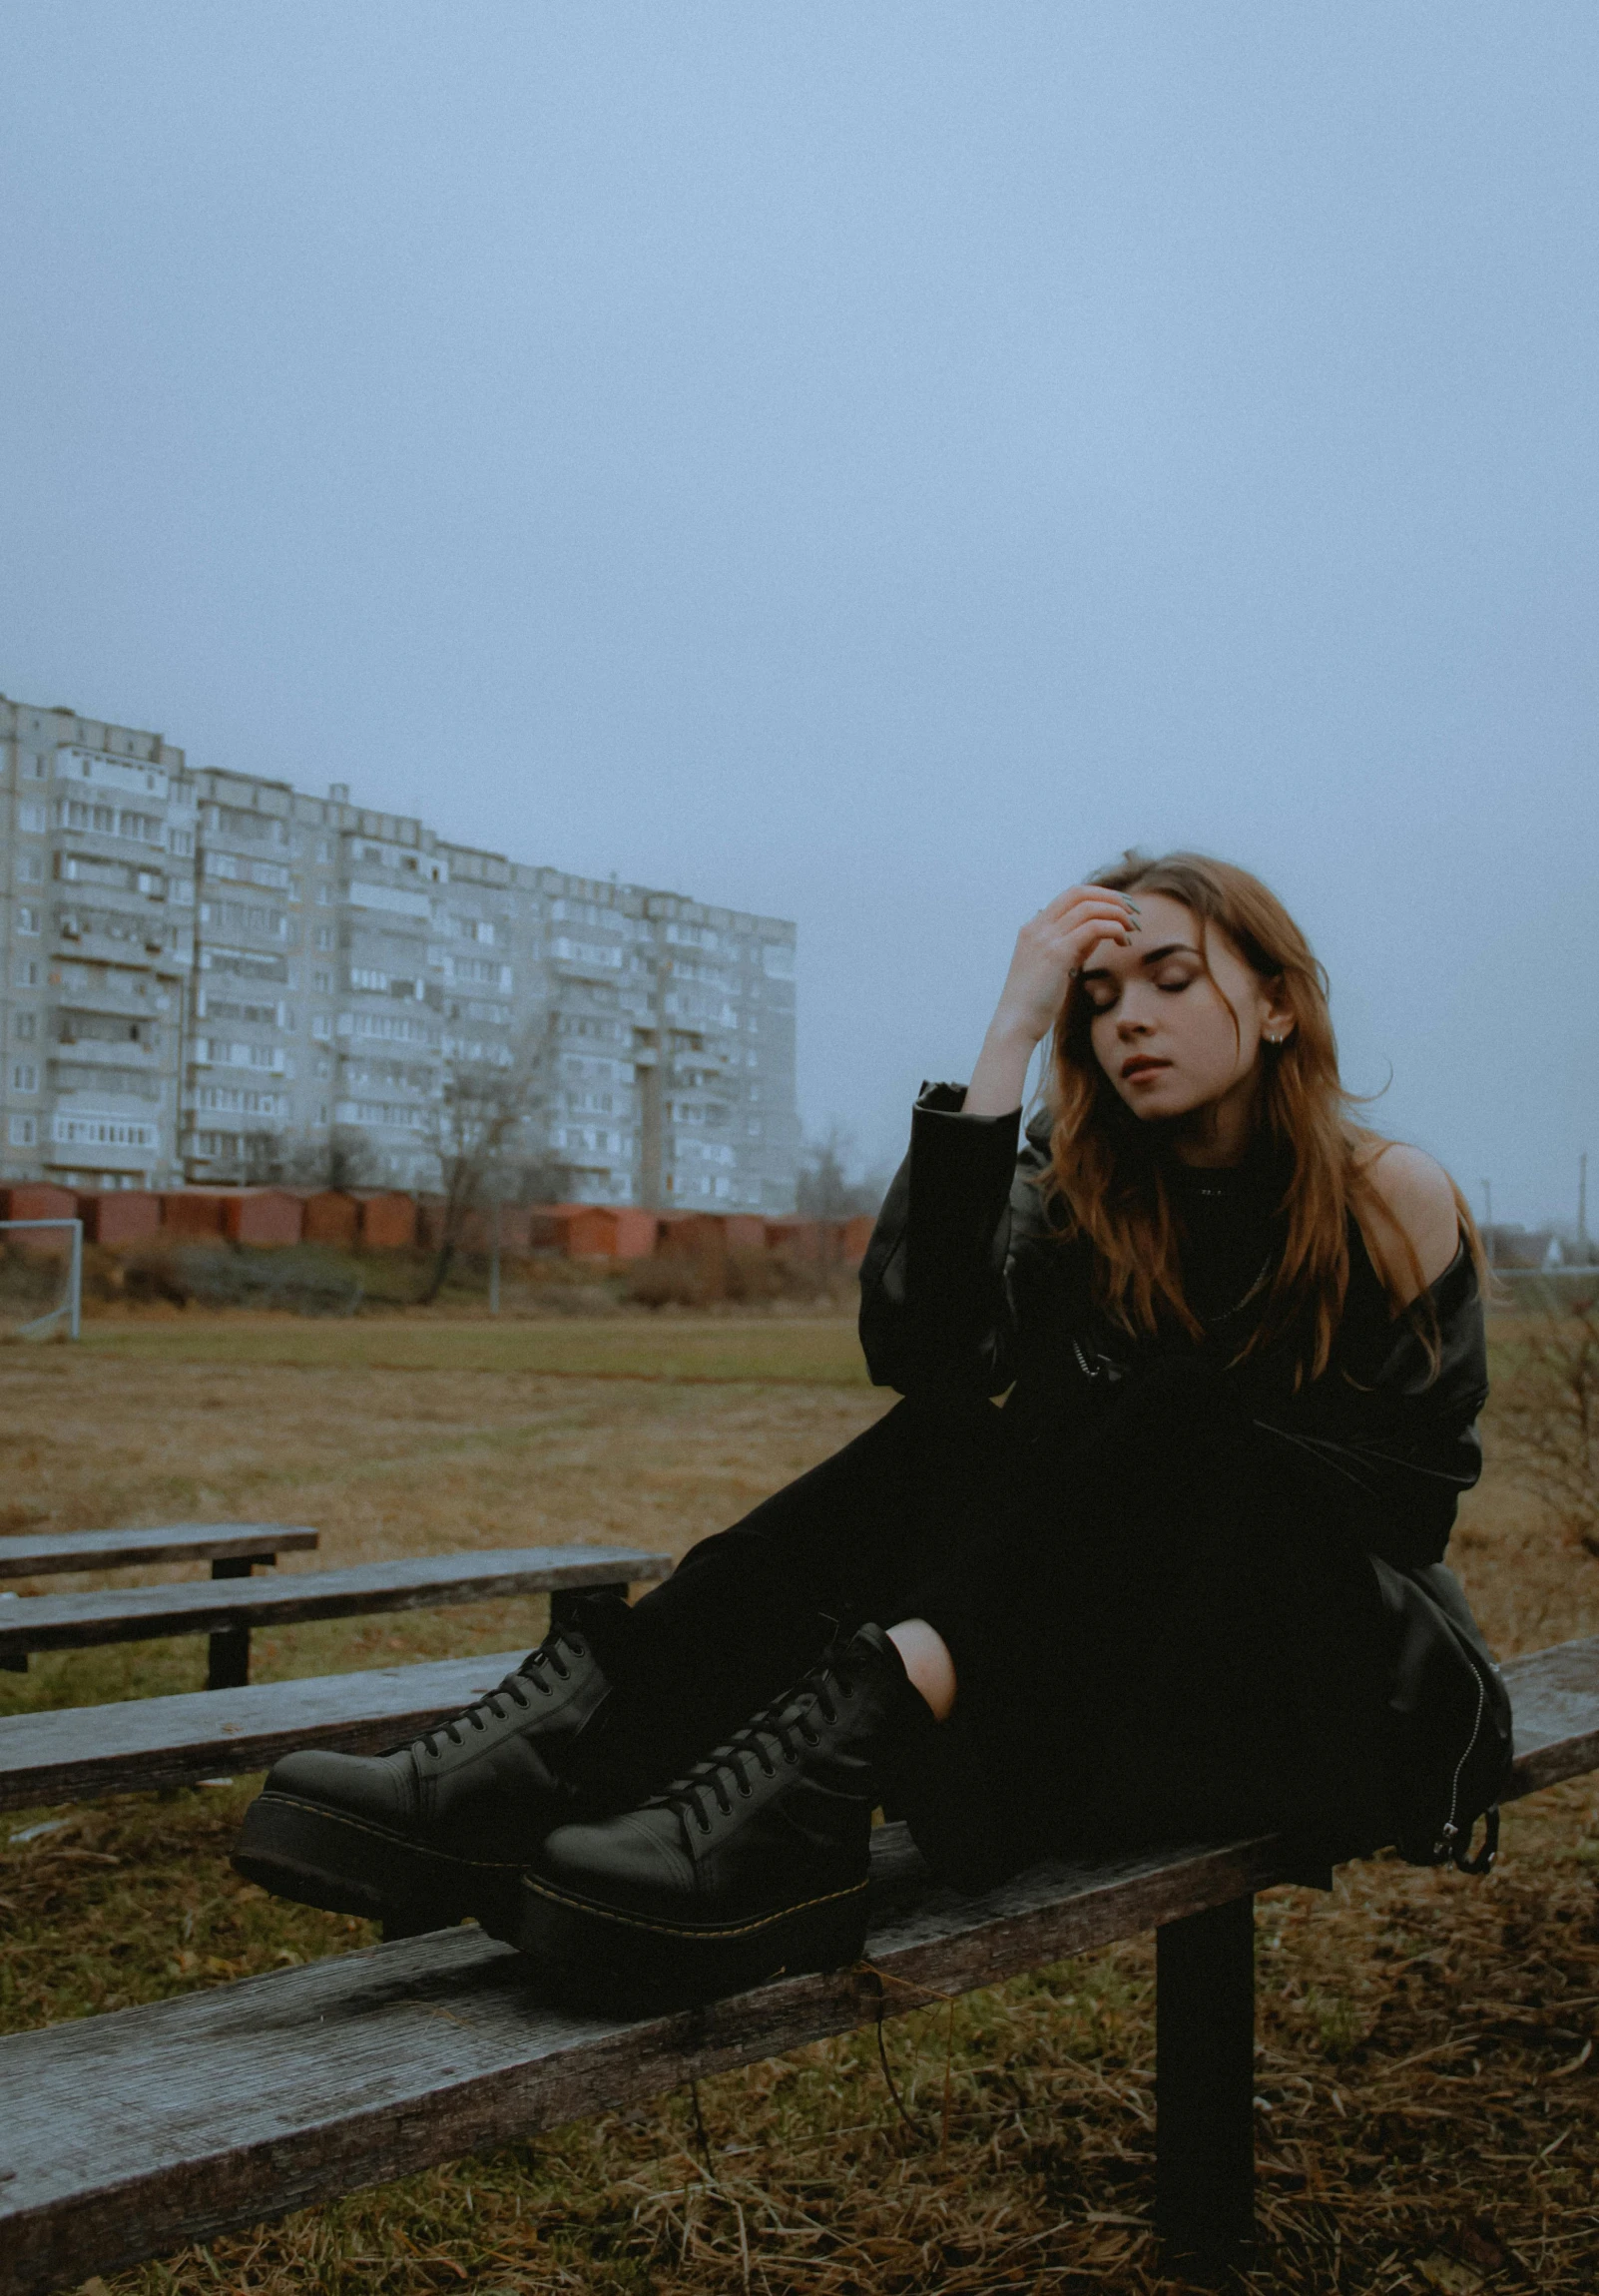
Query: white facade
(216, 976)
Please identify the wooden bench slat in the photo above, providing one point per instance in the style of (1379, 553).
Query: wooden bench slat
(133, 1615)
(1554, 1694)
(145, 2131)
(28, 1554)
(135, 1744)
(160, 2125)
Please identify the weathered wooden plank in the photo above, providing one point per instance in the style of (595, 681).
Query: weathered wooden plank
(1555, 1697)
(160, 2125)
(138, 1743)
(33, 1554)
(133, 1615)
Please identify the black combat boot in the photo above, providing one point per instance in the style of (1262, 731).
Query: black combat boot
(753, 1862)
(440, 1828)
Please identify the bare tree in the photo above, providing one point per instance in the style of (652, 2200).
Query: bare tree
(1545, 1413)
(824, 1189)
(473, 1129)
(343, 1159)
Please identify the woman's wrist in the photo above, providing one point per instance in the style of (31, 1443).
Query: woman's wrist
(999, 1080)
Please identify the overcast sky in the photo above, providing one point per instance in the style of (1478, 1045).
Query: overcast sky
(863, 463)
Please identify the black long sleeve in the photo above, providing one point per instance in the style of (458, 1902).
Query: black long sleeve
(935, 1310)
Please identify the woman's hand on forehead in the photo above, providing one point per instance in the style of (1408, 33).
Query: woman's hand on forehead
(1052, 949)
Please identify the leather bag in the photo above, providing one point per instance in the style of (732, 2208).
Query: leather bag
(1448, 1720)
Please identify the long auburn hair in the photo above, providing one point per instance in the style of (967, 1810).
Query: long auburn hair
(1107, 1179)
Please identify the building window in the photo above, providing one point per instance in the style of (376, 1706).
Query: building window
(325, 936)
(27, 919)
(321, 978)
(24, 1076)
(30, 868)
(25, 1027)
(322, 1025)
(24, 1131)
(25, 973)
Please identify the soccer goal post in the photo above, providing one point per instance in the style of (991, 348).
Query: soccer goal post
(70, 1304)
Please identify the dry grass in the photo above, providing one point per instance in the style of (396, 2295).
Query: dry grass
(1428, 2116)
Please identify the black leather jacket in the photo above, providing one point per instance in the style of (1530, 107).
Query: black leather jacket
(968, 1288)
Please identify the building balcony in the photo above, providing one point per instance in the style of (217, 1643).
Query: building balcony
(121, 1003)
(122, 848)
(118, 939)
(103, 1081)
(104, 1052)
(100, 1140)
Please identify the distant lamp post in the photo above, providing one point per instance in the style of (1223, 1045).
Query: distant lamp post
(1582, 1207)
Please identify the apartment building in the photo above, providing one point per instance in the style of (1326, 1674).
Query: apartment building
(217, 976)
(97, 907)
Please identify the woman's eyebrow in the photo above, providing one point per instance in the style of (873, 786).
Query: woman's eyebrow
(1152, 956)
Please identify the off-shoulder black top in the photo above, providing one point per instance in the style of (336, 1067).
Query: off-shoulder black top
(968, 1286)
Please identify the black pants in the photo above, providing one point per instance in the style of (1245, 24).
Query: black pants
(1154, 1638)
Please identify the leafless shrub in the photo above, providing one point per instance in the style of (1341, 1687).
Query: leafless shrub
(673, 1280)
(1546, 1414)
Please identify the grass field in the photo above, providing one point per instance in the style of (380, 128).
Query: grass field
(798, 1350)
(1429, 2116)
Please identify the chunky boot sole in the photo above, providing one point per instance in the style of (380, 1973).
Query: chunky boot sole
(599, 1958)
(325, 1857)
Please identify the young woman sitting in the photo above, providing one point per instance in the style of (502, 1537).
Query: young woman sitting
(1240, 1344)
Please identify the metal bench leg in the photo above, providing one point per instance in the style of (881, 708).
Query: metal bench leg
(564, 1601)
(1205, 2081)
(229, 1669)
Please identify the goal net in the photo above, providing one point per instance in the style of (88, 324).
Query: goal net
(41, 1278)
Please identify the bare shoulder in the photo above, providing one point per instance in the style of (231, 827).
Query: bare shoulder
(1407, 1212)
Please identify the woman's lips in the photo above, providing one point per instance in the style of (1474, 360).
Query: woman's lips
(1142, 1064)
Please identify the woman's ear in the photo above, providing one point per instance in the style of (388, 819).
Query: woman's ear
(1276, 1023)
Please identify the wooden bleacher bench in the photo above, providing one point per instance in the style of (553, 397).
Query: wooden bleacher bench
(31, 1555)
(72, 1753)
(226, 1609)
(143, 2132)
(234, 1549)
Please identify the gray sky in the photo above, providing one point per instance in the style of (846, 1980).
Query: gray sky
(865, 463)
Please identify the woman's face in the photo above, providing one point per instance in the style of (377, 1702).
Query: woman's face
(1178, 1023)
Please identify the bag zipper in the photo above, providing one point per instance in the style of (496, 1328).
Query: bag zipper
(1451, 1829)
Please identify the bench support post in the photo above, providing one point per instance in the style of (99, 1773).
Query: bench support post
(229, 1666)
(1205, 2081)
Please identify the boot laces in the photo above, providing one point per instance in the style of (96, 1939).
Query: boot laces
(503, 1704)
(779, 1733)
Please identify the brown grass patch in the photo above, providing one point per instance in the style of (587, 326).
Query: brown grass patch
(1430, 2106)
